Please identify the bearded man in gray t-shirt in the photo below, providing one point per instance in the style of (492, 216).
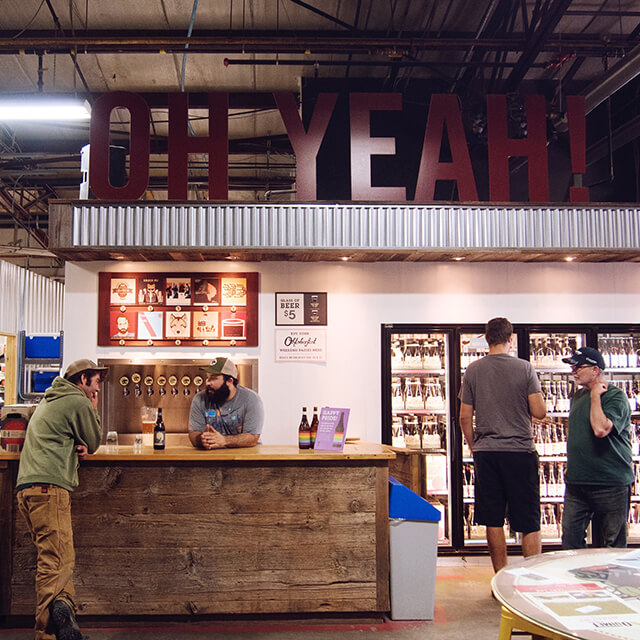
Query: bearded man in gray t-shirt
(225, 414)
(504, 393)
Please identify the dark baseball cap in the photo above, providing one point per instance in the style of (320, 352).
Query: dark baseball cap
(586, 355)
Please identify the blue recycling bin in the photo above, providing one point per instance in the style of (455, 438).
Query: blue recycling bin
(413, 550)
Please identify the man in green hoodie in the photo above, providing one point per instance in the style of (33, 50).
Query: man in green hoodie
(62, 431)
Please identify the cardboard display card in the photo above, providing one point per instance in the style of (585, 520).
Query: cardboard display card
(177, 324)
(122, 326)
(150, 325)
(332, 429)
(206, 291)
(178, 291)
(123, 290)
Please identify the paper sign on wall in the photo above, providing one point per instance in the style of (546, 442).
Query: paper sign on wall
(301, 345)
(301, 309)
(332, 429)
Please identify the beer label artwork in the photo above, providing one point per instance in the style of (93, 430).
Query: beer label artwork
(165, 309)
(332, 429)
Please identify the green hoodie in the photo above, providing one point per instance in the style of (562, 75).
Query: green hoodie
(64, 419)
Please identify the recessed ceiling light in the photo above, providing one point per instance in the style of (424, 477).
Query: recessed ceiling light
(569, 258)
(345, 258)
(458, 258)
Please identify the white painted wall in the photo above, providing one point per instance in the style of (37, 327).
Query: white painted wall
(361, 297)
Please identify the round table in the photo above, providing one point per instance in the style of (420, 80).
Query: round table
(591, 594)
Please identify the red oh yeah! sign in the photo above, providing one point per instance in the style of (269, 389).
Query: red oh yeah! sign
(444, 118)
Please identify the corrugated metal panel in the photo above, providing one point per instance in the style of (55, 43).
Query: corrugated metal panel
(366, 227)
(29, 302)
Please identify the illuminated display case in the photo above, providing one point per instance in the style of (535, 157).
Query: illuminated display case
(420, 414)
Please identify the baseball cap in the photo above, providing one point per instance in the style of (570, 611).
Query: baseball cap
(83, 365)
(586, 355)
(222, 366)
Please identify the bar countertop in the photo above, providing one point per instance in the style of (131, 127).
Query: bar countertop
(260, 453)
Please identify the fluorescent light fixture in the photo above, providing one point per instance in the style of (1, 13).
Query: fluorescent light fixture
(44, 108)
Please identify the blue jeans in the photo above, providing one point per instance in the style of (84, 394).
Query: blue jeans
(607, 507)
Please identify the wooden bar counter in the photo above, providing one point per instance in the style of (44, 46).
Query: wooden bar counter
(235, 531)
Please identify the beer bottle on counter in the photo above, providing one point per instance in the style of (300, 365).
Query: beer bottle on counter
(338, 434)
(314, 426)
(159, 432)
(304, 431)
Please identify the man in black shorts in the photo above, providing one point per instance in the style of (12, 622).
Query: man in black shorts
(504, 392)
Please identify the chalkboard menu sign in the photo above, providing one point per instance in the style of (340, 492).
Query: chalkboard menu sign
(170, 309)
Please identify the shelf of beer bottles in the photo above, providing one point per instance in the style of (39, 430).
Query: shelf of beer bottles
(418, 372)
(419, 412)
(469, 542)
(546, 500)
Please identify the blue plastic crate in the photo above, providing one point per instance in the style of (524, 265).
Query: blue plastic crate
(42, 347)
(42, 380)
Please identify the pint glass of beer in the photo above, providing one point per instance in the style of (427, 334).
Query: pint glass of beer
(148, 418)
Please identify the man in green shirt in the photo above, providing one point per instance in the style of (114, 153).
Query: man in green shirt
(599, 463)
(62, 431)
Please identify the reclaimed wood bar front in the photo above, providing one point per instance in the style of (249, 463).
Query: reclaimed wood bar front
(235, 531)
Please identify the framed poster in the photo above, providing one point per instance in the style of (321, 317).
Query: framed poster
(174, 309)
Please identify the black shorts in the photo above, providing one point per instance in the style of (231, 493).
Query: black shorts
(507, 484)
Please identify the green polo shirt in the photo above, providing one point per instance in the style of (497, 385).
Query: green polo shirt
(599, 461)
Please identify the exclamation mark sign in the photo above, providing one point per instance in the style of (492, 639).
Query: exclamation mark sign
(577, 147)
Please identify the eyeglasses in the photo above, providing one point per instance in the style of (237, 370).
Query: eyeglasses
(582, 366)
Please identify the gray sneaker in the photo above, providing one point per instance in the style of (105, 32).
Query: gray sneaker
(65, 621)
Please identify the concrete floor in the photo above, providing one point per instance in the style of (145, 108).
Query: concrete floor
(464, 608)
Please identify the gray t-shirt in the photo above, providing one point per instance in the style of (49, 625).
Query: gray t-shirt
(498, 387)
(244, 413)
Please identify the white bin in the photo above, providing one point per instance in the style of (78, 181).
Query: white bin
(413, 553)
(413, 556)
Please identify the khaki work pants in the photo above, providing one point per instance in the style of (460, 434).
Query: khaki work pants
(47, 511)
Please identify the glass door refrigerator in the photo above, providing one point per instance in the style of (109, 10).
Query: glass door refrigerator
(422, 369)
(473, 346)
(416, 379)
(545, 347)
(620, 348)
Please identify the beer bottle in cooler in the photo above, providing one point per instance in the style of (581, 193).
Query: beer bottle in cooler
(314, 426)
(304, 431)
(159, 432)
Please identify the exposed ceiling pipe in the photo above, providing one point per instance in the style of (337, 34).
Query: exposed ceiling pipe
(123, 42)
(304, 62)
